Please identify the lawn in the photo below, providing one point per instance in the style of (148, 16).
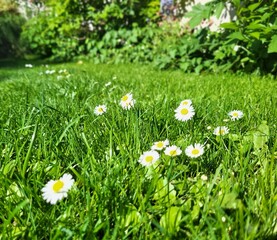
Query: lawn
(49, 128)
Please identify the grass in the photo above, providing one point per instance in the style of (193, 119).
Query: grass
(48, 128)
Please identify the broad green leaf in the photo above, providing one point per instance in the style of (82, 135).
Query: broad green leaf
(230, 25)
(9, 167)
(194, 21)
(246, 59)
(230, 200)
(165, 191)
(261, 136)
(272, 45)
(219, 55)
(195, 211)
(252, 7)
(254, 25)
(255, 35)
(266, 16)
(218, 9)
(234, 137)
(237, 3)
(247, 142)
(198, 69)
(14, 191)
(236, 35)
(197, 14)
(171, 219)
(132, 217)
(184, 66)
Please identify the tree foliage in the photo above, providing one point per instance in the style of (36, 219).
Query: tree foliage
(10, 28)
(127, 30)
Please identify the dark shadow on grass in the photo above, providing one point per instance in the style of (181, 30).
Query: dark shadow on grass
(18, 63)
(9, 66)
(271, 237)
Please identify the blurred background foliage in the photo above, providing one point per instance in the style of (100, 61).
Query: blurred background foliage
(11, 23)
(135, 31)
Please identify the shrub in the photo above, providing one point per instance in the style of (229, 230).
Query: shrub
(127, 31)
(253, 35)
(10, 28)
(70, 27)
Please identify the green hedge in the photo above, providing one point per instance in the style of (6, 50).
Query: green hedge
(10, 28)
(131, 31)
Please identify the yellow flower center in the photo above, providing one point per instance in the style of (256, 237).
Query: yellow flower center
(221, 131)
(172, 152)
(184, 111)
(160, 145)
(235, 114)
(149, 159)
(57, 186)
(195, 151)
(124, 98)
(101, 110)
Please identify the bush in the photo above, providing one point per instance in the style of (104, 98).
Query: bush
(127, 31)
(70, 27)
(253, 35)
(10, 28)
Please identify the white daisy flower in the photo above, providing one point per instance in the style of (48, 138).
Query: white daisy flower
(127, 101)
(236, 48)
(55, 190)
(222, 130)
(101, 109)
(194, 151)
(184, 113)
(108, 84)
(186, 102)
(204, 178)
(149, 158)
(62, 71)
(28, 65)
(235, 114)
(172, 151)
(50, 72)
(160, 145)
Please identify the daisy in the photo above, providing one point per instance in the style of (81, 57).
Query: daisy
(101, 109)
(194, 151)
(236, 48)
(235, 114)
(184, 113)
(186, 102)
(55, 190)
(222, 130)
(108, 84)
(149, 158)
(172, 151)
(204, 178)
(127, 101)
(160, 145)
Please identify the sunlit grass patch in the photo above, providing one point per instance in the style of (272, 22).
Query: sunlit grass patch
(140, 173)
